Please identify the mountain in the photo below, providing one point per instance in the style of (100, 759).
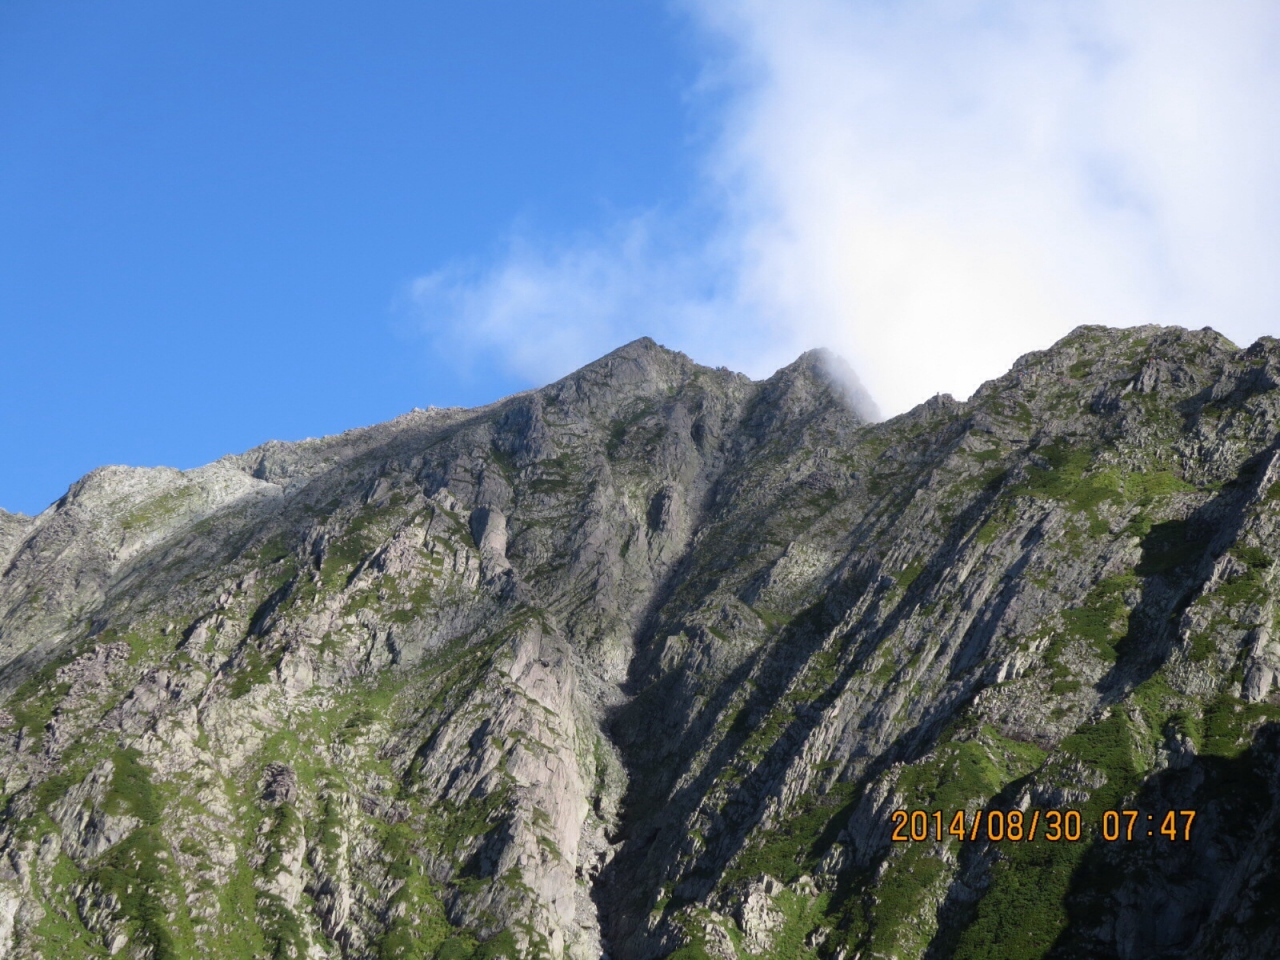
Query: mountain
(645, 662)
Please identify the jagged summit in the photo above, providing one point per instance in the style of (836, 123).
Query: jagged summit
(642, 366)
(641, 664)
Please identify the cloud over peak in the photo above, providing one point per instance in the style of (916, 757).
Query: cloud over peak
(928, 189)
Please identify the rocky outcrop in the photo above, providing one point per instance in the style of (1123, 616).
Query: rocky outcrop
(644, 662)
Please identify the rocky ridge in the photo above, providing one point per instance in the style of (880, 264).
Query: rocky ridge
(640, 664)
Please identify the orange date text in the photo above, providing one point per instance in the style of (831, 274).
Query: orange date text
(1053, 826)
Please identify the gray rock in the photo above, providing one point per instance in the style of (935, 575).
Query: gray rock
(648, 658)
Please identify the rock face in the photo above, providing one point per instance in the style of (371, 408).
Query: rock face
(643, 663)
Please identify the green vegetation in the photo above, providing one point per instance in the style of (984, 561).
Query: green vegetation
(451, 827)
(418, 929)
(1071, 478)
(131, 790)
(1102, 618)
(1229, 723)
(152, 513)
(1250, 586)
(1065, 478)
(417, 600)
(792, 847)
(256, 668)
(961, 774)
(557, 475)
(1253, 557)
(1024, 908)
(53, 789)
(372, 743)
(139, 872)
(140, 869)
(277, 548)
(504, 461)
(34, 702)
(986, 456)
(361, 536)
(1203, 647)
(763, 736)
(989, 531)
(34, 711)
(819, 675)
(1151, 485)
(281, 929)
(696, 950)
(800, 916)
(622, 426)
(1157, 702)
(60, 931)
(907, 576)
(1185, 723)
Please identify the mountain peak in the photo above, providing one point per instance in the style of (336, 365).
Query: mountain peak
(655, 660)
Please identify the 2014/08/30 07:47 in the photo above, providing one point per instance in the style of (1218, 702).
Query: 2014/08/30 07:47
(1050, 825)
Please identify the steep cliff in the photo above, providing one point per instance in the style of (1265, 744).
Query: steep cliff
(643, 662)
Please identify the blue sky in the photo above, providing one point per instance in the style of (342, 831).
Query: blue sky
(222, 224)
(209, 212)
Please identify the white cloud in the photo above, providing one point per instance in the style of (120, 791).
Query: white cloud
(932, 189)
(544, 309)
